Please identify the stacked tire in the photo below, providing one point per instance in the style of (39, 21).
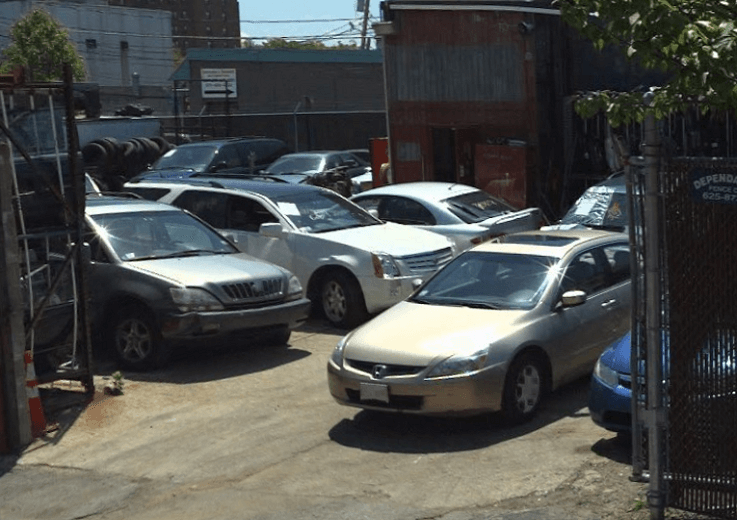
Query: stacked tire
(112, 162)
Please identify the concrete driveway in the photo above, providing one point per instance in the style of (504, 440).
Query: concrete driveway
(252, 433)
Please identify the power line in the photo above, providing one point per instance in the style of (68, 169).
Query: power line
(317, 20)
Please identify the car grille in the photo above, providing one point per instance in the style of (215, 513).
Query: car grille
(254, 291)
(367, 367)
(427, 262)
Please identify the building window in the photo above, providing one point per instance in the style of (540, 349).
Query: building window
(123, 45)
(91, 43)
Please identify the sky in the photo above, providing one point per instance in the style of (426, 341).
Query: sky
(327, 20)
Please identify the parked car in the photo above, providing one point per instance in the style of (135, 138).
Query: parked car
(239, 156)
(363, 154)
(610, 396)
(602, 206)
(463, 213)
(495, 329)
(351, 263)
(302, 167)
(161, 278)
(711, 378)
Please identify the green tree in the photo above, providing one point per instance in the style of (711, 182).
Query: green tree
(280, 43)
(693, 41)
(41, 45)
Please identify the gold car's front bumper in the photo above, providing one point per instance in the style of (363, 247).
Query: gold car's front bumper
(471, 394)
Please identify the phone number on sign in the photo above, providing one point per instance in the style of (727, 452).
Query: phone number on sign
(719, 197)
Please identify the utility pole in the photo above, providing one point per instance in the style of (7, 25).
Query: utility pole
(15, 422)
(365, 41)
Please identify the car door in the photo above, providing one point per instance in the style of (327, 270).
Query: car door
(581, 332)
(244, 216)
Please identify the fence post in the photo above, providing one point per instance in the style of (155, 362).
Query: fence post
(16, 419)
(655, 411)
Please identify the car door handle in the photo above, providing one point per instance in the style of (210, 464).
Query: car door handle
(609, 303)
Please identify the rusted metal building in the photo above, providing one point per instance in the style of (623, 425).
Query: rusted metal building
(480, 92)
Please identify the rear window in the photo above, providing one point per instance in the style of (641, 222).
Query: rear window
(477, 206)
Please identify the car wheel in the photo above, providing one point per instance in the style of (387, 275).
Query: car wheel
(524, 388)
(136, 339)
(342, 300)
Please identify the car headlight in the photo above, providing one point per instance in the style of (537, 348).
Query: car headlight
(192, 299)
(337, 355)
(384, 265)
(294, 289)
(605, 374)
(460, 365)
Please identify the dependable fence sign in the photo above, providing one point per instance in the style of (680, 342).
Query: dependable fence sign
(218, 83)
(710, 186)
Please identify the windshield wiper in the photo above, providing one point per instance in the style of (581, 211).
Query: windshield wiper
(180, 254)
(480, 305)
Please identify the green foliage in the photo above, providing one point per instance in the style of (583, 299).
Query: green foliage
(693, 41)
(280, 43)
(41, 45)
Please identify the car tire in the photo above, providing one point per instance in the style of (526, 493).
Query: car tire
(524, 388)
(136, 339)
(342, 301)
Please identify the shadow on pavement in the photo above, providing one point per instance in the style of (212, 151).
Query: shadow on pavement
(618, 449)
(388, 432)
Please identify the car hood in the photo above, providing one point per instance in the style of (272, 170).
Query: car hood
(617, 356)
(394, 239)
(208, 269)
(437, 332)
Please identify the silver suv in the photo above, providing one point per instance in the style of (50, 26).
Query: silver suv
(161, 278)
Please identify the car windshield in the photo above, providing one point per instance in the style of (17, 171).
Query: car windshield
(157, 234)
(195, 157)
(477, 206)
(323, 211)
(296, 164)
(490, 280)
(600, 208)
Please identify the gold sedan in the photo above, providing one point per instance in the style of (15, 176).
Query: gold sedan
(494, 330)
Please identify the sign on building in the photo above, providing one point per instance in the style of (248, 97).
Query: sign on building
(218, 83)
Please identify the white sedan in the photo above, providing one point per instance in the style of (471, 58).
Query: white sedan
(351, 263)
(465, 214)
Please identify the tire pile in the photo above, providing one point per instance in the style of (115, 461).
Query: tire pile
(112, 162)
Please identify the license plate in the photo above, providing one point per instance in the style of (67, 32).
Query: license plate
(374, 392)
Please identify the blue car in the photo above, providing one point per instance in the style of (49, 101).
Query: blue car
(610, 396)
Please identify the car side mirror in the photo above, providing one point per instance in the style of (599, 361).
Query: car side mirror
(416, 283)
(573, 298)
(272, 229)
(374, 213)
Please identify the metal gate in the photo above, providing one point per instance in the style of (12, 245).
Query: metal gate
(685, 395)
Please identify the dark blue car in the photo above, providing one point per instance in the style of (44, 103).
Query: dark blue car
(610, 396)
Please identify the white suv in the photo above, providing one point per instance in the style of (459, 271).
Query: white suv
(351, 263)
